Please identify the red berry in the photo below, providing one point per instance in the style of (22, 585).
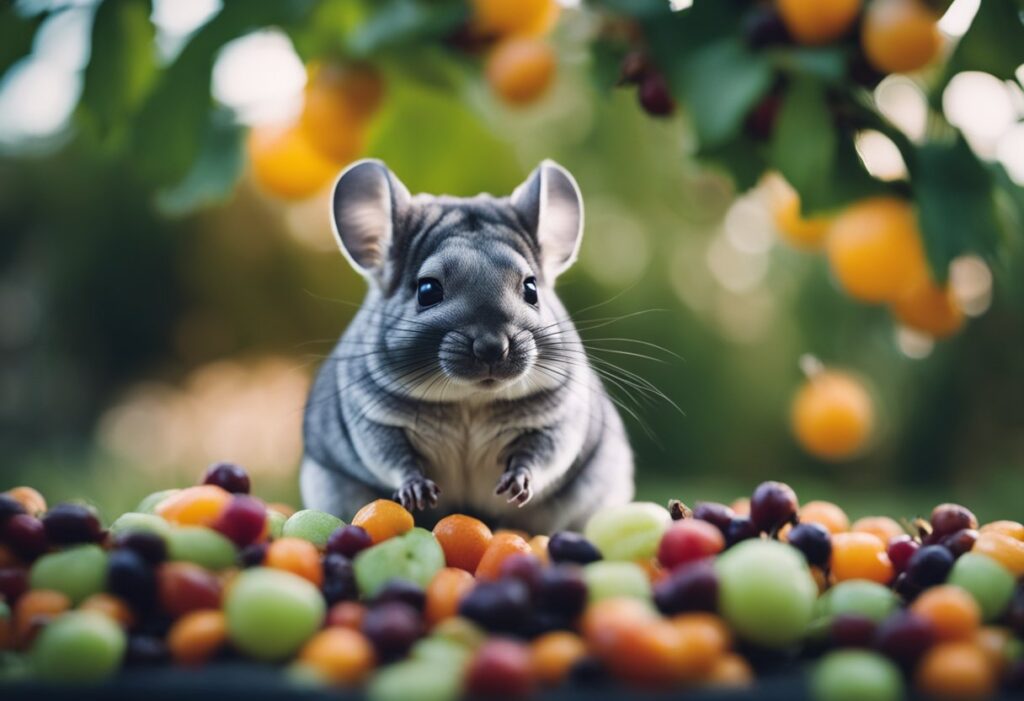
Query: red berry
(500, 668)
(13, 583)
(654, 95)
(183, 587)
(950, 518)
(349, 541)
(26, 535)
(689, 540)
(900, 550)
(242, 520)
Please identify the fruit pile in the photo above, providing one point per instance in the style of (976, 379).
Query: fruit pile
(647, 597)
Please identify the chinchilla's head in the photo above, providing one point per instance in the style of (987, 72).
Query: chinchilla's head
(462, 290)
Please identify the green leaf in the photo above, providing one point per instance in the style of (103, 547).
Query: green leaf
(213, 175)
(122, 63)
(955, 203)
(170, 126)
(16, 35)
(827, 64)
(742, 158)
(606, 63)
(805, 142)
(719, 85)
(993, 43)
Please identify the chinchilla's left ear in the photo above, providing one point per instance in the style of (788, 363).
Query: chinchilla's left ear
(367, 201)
(550, 202)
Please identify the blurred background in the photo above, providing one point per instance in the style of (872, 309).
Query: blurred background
(169, 281)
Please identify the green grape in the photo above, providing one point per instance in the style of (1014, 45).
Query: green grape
(77, 572)
(271, 613)
(606, 579)
(628, 532)
(861, 597)
(202, 546)
(275, 523)
(856, 675)
(441, 650)
(149, 503)
(766, 592)
(423, 680)
(314, 526)
(77, 647)
(136, 521)
(986, 580)
(415, 556)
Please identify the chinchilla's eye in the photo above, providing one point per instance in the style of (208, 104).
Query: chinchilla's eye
(428, 292)
(530, 290)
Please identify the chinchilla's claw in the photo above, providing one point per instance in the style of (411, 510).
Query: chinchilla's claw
(418, 493)
(516, 483)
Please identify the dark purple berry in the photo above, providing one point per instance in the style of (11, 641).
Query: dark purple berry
(349, 541)
(692, 587)
(229, 477)
(499, 607)
(904, 637)
(561, 589)
(814, 541)
(253, 555)
(130, 577)
(567, 546)
(339, 579)
(393, 628)
(961, 542)
(762, 26)
(13, 583)
(950, 518)
(522, 566)
(907, 588)
(67, 524)
(773, 505)
(26, 535)
(930, 565)
(9, 506)
(654, 95)
(401, 590)
(740, 529)
(714, 513)
(852, 630)
(149, 546)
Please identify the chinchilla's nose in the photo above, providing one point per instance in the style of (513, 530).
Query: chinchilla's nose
(490, 348)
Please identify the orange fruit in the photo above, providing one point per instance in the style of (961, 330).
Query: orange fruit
(444, 592)
(197, 636)
(194, 506)
(955, 670)
(297, 556)
(929, 309)
(802, 232)
(875, 250)
(882, 526)
(730, 670)
(1014, 529)
(818, 22)
(826, 514)
(603, 618)
(34, 608)
(705, 638)
(340, 99)
(463, 539)
(346, 614)
(502, 546)
(860, 556)
(554, 654)
(953, 612)
(741, 506)
(285, 163)
(832, 415)
(500, 17)
(29, 498)
(520, 69)
(383, 519)
(110, 606)
(899, 36)
(339, 655)
(1004, 549)
(539, 545)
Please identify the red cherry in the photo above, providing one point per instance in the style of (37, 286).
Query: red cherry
(689, 540)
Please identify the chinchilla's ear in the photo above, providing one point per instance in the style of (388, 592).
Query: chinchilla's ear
(550, 202)
(366, 201)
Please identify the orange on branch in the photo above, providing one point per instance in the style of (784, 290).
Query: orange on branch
(832, 415)
(285, 163)
(816, 22)
(520, 69)
(526, 17)
(340, 99)
(899, 36)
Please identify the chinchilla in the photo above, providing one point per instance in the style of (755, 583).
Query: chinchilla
(462, 385)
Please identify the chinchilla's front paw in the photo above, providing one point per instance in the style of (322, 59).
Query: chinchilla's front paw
(417, 493)
(516, 482)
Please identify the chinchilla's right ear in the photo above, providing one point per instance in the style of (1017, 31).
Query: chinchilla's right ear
(367, 199)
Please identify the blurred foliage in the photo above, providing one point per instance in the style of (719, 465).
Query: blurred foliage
(136, 256)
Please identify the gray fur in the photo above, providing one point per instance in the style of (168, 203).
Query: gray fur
(405, 408)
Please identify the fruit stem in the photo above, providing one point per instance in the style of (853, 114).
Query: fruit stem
(678, 510)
